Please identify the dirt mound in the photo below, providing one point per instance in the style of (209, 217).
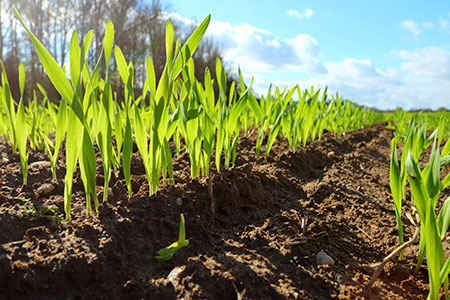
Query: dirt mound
(272, 218)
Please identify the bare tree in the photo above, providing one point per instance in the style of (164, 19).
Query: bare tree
(139, 32)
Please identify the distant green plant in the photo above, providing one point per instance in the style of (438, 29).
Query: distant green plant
(400, 120)
(40, 212)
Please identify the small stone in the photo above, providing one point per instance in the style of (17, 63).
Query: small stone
(324, 259)
(331, 154)
(40, 164)
(178, 201)
(175, 273)
(45, 189)
(322, 183)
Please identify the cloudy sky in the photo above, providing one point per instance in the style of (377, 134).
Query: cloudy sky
(380, 53)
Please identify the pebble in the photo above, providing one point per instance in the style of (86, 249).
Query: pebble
(40, 164)
(45, 189)
(110, 193)
(324, 259)
(331, 154)
(322, 183)
(175, 273)
(178, 201)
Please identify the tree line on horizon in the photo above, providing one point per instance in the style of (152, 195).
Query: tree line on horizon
(139, 31)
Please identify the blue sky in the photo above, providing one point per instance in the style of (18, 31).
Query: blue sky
(378, 53)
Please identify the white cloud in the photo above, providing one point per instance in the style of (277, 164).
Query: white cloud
(427, 25)
(308, 51)
(445, 24)
(359, 80)
(422, 81)
(416, 28)
(427, 64)
(412, 27)
(260, 51)
(307, 13)
(174, 16)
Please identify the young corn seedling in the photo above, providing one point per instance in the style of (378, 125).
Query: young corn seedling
(189, 123)
(60, 133)
(176, 63)
(262, 113)
(311, 106)
(221, 112)
(55, 115)
(9, 108)
(104, 127)
(208, 111)
(396, 184)
(21, 127)
(297, 116)
(415, 141)
(40, 212)
(167, 253)
(425, 186)
(232, 126)
(87, 159)
(35, 112)
(228, 117)
(280, 113)
(78, 135)
(16, 121)
(320, 118)
(127, 142)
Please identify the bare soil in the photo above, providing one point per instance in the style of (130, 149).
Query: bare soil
(271, 220)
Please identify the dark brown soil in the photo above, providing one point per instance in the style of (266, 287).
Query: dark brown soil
(272, 218)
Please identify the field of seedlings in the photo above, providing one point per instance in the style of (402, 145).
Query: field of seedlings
(181, 190)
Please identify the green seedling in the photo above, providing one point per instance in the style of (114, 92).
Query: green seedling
(167, 253)
(40, 212)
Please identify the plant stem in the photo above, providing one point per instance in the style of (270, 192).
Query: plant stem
(394, 253)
